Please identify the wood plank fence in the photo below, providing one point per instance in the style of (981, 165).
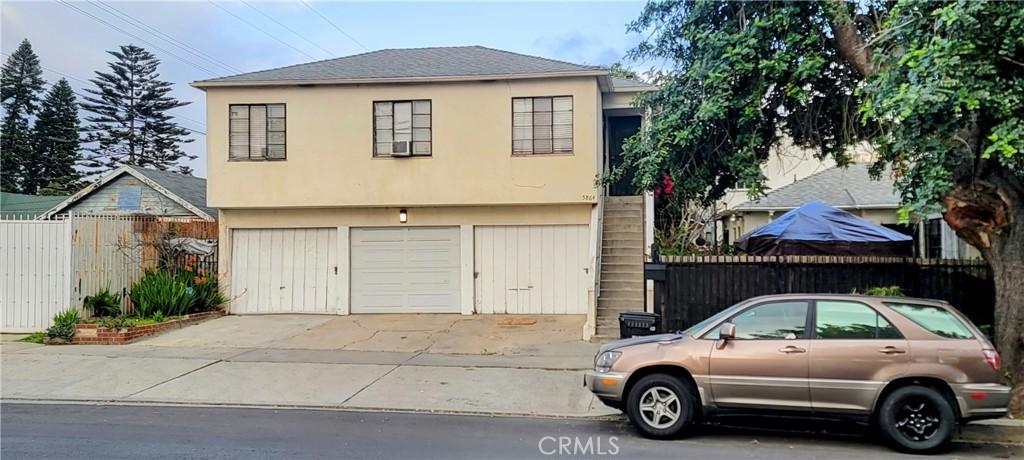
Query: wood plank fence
(50, 266)
(697, 287)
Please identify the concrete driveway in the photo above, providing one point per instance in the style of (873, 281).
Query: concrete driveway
(428, 333)
(445, 363)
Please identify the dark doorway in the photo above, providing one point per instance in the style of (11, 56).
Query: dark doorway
(620, 129)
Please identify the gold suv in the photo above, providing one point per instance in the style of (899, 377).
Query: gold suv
(914, 368)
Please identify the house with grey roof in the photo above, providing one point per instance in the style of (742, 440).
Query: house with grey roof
(136, 191)
(428, 180)
(852, 189)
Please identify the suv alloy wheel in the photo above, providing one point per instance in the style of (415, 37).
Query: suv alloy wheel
(661, 406)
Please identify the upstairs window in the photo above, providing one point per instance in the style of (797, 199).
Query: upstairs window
(541, 125)
(401, 128)
(257, 132)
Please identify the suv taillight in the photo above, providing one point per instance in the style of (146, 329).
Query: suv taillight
(992, 358)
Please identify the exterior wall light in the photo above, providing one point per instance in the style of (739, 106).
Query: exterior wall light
(403, 216)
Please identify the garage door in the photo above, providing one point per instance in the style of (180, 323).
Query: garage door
(532, 269)
(284, 270)
(405, 270)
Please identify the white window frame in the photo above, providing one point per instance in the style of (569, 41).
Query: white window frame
(378, 128)
(525, 109)
(260, 156)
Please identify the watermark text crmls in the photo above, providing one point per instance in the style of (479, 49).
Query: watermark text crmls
(578, 445)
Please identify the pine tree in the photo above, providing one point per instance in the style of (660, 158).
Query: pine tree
(56, 142)
(21, 81)
(130, 124)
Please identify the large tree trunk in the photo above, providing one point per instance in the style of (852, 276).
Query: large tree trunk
(990, 216)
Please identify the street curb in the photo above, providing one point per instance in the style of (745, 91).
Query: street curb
(117, 402)
(999, 431)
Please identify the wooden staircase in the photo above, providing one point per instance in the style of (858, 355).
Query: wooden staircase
(622, 263)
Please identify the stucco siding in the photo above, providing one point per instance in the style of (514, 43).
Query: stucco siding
(330, 148)
(128, 195)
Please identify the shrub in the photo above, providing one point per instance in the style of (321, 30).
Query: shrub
(158, 291)
(159, 317)
(115, 322)
(885, 291)
(103, 303)
(63, 325)
(205, 290)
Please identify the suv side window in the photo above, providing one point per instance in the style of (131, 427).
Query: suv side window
(851, 320)
(770, 321)
(937, 320)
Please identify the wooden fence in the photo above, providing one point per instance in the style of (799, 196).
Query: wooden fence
(697, 287)
(50, 266)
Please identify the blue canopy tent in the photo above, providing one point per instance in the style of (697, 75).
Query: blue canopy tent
(819, 229)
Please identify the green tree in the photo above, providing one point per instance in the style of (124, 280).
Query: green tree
(619, 70)
(56, 142)
(129, 124)
(936, 87)
(21, 81)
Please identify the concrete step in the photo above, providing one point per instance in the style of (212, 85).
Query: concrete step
(620, 296)
(636, 276)
(628, 226)
(621, 251)
(611, 267)
(624, 213)
(624, 235)
(624, 199)
(616, 284)
(623, 269)
(636, 258)
(624, 217)
(637, 244)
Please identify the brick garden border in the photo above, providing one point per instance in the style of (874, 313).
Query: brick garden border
(94, 334)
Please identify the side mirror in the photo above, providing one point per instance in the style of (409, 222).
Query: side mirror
(725, 334)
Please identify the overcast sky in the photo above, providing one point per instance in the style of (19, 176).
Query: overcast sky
(198, 39)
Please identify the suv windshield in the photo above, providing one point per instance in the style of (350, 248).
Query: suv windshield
(712, 319)
(936, 320)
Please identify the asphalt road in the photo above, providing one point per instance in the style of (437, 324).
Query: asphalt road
(110, 432)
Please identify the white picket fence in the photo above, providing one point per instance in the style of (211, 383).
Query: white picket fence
(51, 266)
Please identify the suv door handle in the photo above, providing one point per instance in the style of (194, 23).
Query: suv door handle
(791, 349)
(890, 350)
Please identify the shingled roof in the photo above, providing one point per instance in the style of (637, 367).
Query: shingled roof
(411, 64)
(849, 187)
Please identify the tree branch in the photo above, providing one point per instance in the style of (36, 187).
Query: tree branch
(849, 43)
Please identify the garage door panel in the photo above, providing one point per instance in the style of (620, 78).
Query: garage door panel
(283, 270)
(405, 269)
(532, 269)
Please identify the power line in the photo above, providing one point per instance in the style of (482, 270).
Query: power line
(156, 32)
(261, 30)
(336, 27)
(86, 13)
(287, 28)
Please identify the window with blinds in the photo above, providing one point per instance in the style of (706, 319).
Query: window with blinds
(257, 132)
(402, 128)
(541, 125)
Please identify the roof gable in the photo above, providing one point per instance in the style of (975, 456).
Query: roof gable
(187, 191)
(411, 64)
(849, 187)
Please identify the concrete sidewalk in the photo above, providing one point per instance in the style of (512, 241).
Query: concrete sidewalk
(524, 384)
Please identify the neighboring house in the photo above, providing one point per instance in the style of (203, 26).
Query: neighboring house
(448, 180)
(15, 206)
(853, 190)
(135, 191)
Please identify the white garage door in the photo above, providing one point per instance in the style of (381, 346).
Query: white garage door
(532, 269)
(284, 270)
(405, 270)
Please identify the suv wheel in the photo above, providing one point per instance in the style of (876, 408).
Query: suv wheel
(661, 406)
(917, 419)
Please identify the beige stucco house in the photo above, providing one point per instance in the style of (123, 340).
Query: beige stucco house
(440, 180)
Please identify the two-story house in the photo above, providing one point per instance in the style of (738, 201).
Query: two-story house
(441, 180)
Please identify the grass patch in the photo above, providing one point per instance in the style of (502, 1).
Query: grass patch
(122, 322)
(35, 337)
